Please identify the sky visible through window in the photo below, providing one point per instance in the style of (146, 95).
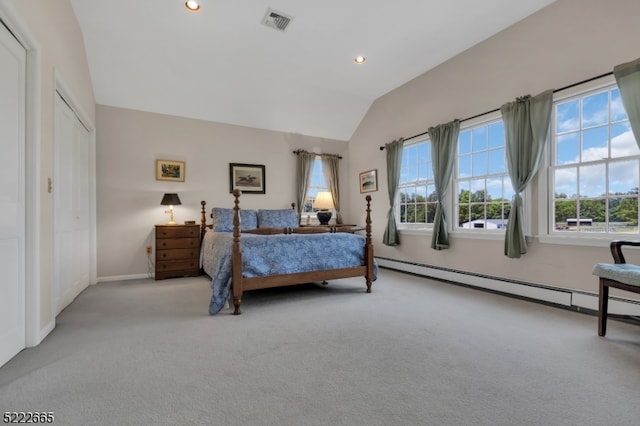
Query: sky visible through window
(317, 184)
(602, 123)
(596, 167)
(317, 180)
(417, 189)
(483, 185)
(485, 156)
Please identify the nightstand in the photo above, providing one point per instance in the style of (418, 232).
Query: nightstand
(177, 251)
(338, 228)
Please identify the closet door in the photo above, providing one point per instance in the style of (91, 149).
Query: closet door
(12, 195)
(71, 206)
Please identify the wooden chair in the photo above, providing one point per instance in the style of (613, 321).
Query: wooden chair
(620, 274)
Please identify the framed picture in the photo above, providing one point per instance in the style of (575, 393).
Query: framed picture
(369, 181)
(249, 178)
(170, 170)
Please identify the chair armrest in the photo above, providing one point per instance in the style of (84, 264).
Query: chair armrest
(616, 249)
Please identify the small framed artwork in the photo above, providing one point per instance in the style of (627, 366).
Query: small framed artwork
(369, 181)
(170, 170)
(249, 178)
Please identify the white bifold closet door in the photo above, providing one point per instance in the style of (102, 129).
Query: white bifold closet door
(12, 196)
(71, 206)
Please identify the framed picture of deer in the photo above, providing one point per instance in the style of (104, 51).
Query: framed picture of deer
(249, 178)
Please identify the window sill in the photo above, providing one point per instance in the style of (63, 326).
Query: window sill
(471, 235)
(592, 241)
(415, 231)
(478, 235)
(313, 219)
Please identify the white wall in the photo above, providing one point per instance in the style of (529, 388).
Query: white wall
(53, 39)
(128, 194)
(567, 42)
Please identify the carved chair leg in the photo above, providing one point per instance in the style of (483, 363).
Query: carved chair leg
(236, 305)
(603, 302)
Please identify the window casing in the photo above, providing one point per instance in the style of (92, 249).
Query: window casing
(482, 184)
(482, 194)
(594, 170)
(587, 185)
(318, 184)
(416, 191)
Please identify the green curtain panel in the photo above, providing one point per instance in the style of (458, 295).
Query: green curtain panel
(305, 165)
(444, 143)
(391, 235)
(330, 168)
(526, 125)
(628, 79)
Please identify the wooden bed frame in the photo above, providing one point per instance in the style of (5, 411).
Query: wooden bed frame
(240, 284)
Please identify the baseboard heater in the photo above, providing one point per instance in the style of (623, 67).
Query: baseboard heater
(575, 299)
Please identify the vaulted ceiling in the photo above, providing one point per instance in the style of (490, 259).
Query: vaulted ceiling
(222, 64)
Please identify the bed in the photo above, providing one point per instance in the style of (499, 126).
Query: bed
(243, 251)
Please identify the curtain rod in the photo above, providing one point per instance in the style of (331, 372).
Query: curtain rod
(298, 151)
(498, 109)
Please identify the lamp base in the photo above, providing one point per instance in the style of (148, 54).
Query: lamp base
(324, 217)
(171, 221)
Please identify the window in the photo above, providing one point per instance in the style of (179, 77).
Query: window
(595, 165)
(417, 191)
(317, 184)
(483, 186)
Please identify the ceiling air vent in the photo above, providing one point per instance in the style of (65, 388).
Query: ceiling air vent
(276, 20)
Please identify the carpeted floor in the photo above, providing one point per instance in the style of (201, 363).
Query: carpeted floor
(413, 352)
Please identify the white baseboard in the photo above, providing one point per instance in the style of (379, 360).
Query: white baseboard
(124, 278)
(543, 293)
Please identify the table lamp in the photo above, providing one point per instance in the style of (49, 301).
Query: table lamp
(170, 200)
(323, 203)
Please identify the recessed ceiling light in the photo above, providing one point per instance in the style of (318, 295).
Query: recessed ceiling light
(360, 60)
(192, 5)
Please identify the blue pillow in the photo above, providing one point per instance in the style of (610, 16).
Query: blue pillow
(223, 219)
(285, 218)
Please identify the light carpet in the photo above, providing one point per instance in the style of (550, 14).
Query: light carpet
(413, 352)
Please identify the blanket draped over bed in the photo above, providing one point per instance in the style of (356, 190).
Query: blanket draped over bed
(275, 255)
(274, 251)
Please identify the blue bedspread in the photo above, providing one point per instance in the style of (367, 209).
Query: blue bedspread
(264, 255)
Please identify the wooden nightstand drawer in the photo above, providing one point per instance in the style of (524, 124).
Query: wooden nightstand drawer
(177, 251)
(177, 265)
(177, 231)
(177, 243)
(177, 254)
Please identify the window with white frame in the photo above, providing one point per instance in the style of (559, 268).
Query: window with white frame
(417, 199)
(594, 165)
(482, 182)
(318, 184)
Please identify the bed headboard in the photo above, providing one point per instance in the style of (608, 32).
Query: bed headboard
(203, 213)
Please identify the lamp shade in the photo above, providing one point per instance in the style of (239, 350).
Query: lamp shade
(170, 200)
(323, 201)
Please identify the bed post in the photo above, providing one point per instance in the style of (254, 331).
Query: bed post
(203, 219)
(236, 260)
(368, 247)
